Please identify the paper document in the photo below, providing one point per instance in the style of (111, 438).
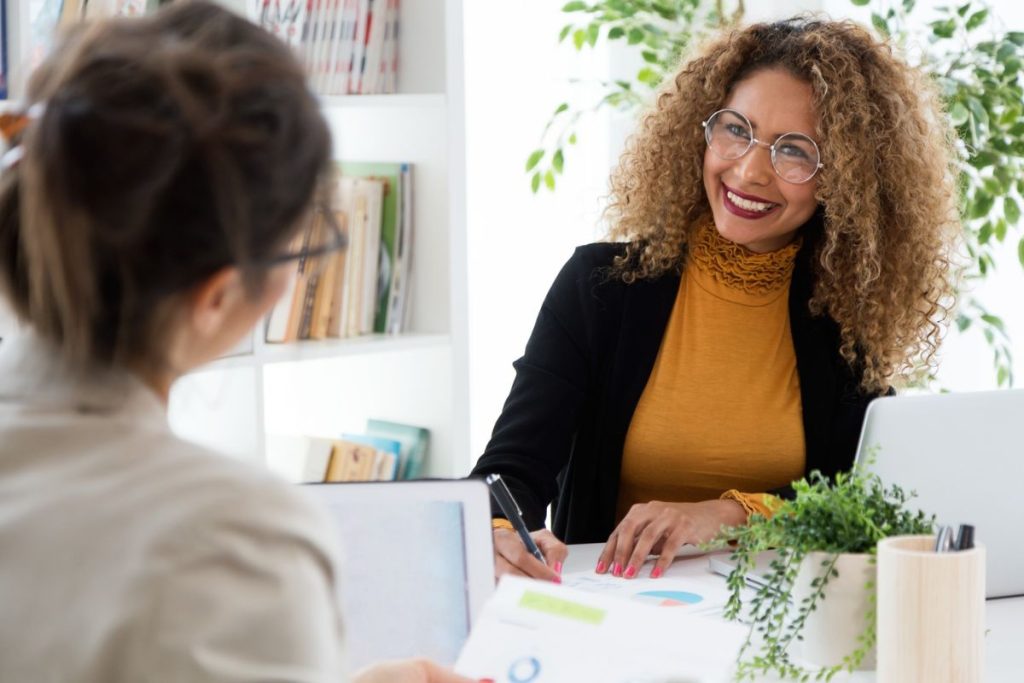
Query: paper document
(538, 632)
(694, 594)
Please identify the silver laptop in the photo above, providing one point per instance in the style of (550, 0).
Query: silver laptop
(963, 454)
(417, 565)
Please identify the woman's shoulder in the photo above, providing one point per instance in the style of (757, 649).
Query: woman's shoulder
(194, 488)
(597, 255)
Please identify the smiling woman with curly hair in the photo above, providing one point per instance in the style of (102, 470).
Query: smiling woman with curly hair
(782, 229)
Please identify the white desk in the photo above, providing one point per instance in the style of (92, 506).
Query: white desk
(1004, 646)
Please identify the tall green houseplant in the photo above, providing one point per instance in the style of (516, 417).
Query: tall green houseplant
(977, 66)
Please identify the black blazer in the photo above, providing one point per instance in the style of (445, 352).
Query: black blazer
(561, 432)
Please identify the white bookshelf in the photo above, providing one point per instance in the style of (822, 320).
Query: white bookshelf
(419, 377)
(333, 386)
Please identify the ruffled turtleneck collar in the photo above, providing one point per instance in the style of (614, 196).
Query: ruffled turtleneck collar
(742, 274)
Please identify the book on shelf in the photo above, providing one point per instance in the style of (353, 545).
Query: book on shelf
(349, 47)
(362, 289)
(387, 451)
(414, 445)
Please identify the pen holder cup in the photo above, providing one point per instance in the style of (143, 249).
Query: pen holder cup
(931, 612)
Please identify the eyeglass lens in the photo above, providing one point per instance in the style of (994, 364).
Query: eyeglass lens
(794, 156)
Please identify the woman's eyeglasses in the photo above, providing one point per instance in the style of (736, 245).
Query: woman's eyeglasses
(321, 237)
(795, 157)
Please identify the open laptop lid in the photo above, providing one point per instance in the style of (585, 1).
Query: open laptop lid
(417, 565)
(963, 454)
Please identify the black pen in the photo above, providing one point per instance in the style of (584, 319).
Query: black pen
(964, 538)
(510, 507)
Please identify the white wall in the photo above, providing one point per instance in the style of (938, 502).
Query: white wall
(515, 75)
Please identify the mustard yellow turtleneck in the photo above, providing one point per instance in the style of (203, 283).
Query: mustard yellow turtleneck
(721, 410)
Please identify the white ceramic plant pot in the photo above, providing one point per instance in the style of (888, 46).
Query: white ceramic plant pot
(831, 630)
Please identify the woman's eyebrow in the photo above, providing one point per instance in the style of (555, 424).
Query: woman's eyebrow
(774, 136)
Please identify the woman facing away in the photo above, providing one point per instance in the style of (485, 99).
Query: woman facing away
(145, 224)
(782, 225)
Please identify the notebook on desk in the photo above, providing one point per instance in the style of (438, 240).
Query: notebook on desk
(417, 565)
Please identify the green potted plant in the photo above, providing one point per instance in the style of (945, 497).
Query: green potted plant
(820, 588)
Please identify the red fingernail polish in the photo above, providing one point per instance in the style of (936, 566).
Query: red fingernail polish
(600, 568)
(558, 567)
(557, 579)
(617, 569)
(630, 572)
(656, 572)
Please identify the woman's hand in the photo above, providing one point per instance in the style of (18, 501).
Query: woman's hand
(512, 557)
(661, 529)
(409, 671)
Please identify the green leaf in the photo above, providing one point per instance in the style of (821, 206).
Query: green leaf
(985, 233)
(944, 29)
(535, 182)
(1012, 211)
(878, 21)
(564, 32)
(1006, 51)
(963, 10)
(978, 109)
(1020, 251)
(977, 19)
(860, 3)
(1000, 231)
(963, 322)
(982, 205)
(593, 33)
(534, 159)
(995, 321)
(572, 139)
(635, 36)
(575, 6)
(558, 161)
(1016, 37)
(616, 32)
(648, 76)
(579, 37)
(958, 114)
(564, 106)
(1002, 374)
(650, 57)
(549, 180)
(983, 158)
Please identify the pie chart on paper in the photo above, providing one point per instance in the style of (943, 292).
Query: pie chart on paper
(669, 598)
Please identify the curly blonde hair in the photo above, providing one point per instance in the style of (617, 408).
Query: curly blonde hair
(883, 260)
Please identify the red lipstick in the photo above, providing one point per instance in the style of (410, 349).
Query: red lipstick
(740, 211)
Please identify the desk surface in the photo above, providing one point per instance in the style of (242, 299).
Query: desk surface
(1004, 658)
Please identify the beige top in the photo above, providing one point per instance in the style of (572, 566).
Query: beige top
(131, 555)
(721, 409)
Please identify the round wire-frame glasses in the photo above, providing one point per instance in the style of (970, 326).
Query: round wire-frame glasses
(795, 157)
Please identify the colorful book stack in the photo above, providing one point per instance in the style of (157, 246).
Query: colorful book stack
(364, 288)
(387, 451)
(349, 47)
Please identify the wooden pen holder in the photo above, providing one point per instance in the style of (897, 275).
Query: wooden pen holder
(931, 612)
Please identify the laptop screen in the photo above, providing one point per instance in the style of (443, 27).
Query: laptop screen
(407, 561)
